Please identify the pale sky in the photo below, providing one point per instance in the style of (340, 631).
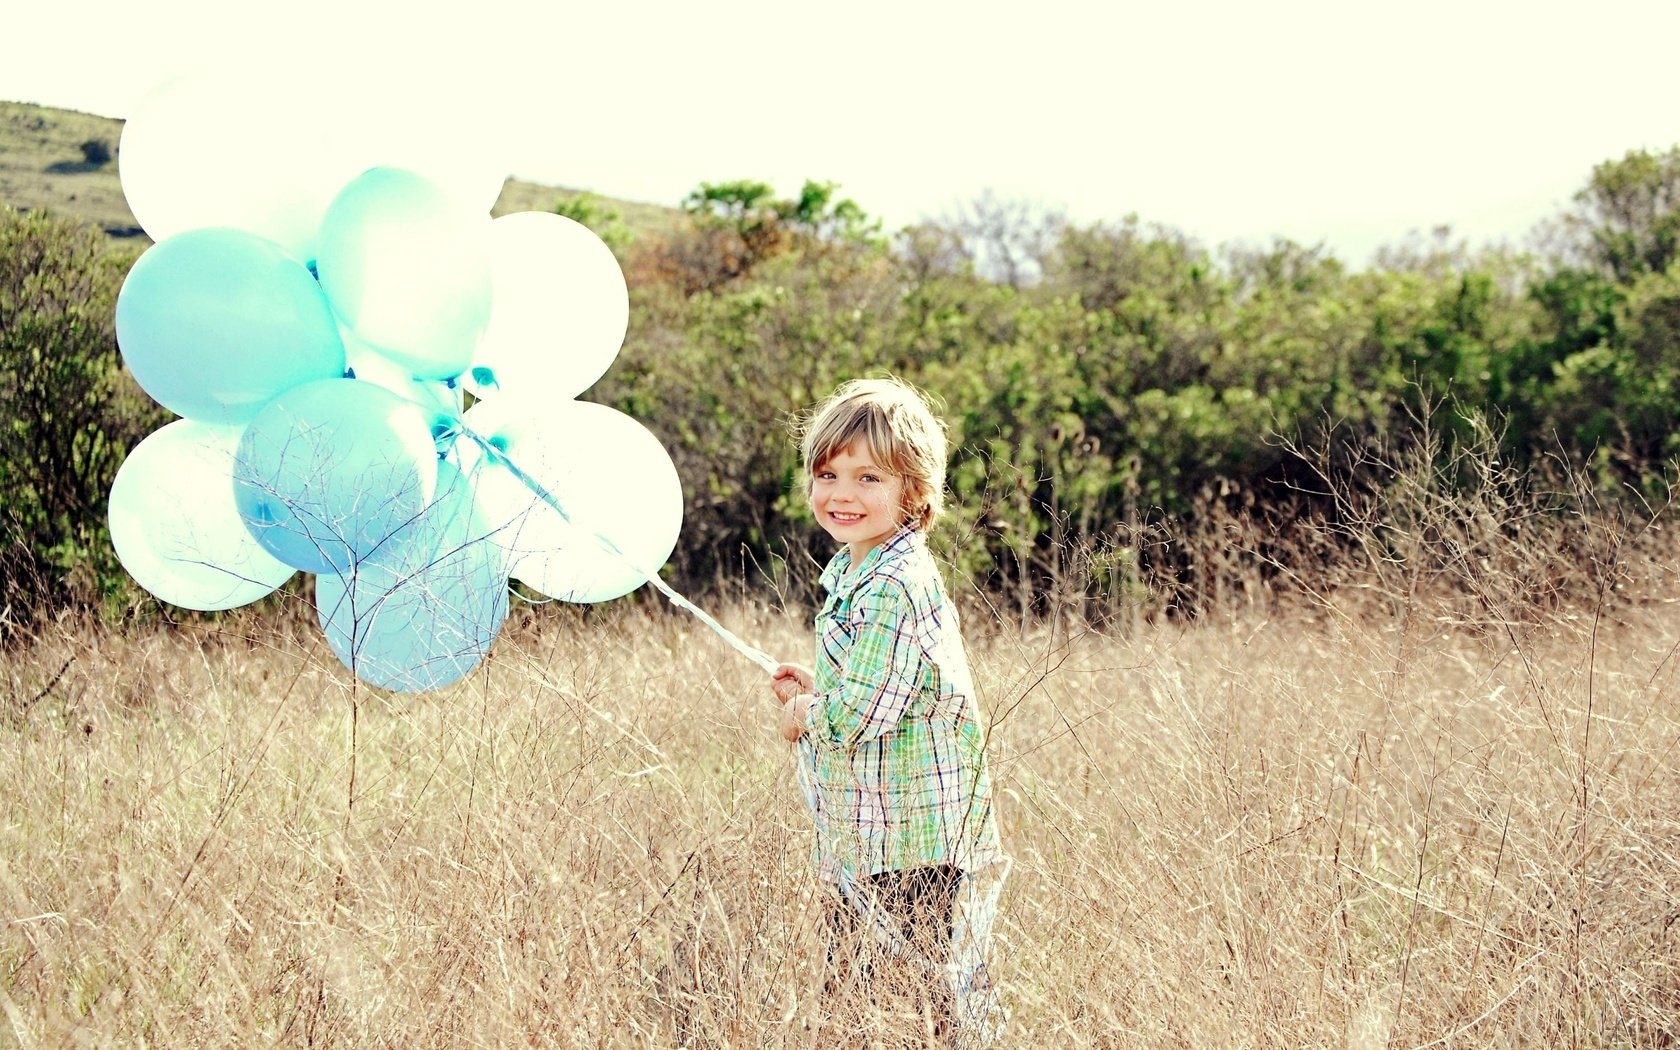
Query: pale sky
(1340, 122)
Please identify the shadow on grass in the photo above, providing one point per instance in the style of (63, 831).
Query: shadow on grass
(73, 167)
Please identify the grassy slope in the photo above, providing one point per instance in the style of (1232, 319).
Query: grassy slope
(41, 167)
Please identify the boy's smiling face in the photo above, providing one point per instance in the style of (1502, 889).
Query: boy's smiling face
(855, 500)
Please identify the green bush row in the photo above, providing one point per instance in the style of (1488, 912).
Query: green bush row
(1110, 377)
(1141, 378)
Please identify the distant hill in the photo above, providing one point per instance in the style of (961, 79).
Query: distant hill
(43, 167)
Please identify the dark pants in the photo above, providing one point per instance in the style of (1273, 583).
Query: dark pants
(919, 904)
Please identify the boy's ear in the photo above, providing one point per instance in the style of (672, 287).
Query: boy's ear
(912, 511)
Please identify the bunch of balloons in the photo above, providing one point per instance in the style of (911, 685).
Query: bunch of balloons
(319, 295)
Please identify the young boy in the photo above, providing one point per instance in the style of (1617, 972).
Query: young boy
(890, 739)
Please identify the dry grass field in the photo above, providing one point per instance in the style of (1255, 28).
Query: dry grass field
(1345, 820)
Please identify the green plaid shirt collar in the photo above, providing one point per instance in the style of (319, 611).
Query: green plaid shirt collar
(840, 574)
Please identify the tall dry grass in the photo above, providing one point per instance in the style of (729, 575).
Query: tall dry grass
(1426, 802)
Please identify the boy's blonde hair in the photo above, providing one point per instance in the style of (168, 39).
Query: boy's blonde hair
(904, 438)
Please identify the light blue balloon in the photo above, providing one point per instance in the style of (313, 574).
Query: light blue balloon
(407, 268)
(334, 471)
(213, 323)
(413, 623)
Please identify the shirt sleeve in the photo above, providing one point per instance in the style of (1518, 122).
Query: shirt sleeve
(879, 679)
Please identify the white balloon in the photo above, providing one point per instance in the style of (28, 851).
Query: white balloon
(408, 270)
(176, 528)
(559, 309)
(608, 473)
(244, 148)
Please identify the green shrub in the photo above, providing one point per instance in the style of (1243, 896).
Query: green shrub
(96, 152)
(602, 219)
(72, 412)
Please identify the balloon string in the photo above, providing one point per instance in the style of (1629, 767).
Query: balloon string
(751, 652)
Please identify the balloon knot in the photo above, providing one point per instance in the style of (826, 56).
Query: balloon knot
(444, 432)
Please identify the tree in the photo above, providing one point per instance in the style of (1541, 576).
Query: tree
(1105, 263)
(97, 152)
(738, 225)
(817, 213)
(1627, 218)
(1007, 240)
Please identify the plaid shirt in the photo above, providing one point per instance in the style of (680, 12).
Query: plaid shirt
(893, 745)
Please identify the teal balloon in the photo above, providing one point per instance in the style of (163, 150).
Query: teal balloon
(332, 472)
(214, 323)
(421, 615)
(407, 268)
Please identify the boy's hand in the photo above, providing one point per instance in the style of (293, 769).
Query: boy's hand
(789, 680)
(793, 716)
